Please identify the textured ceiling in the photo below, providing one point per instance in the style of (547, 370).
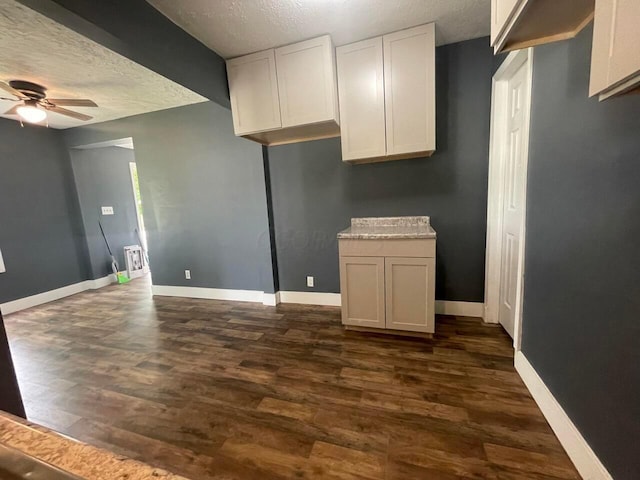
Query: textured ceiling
(238, 27)
(39, 50)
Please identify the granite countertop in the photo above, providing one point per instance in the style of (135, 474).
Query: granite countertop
(388, 228)
(80, 459)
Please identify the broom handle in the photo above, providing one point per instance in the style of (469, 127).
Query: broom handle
(105, 238)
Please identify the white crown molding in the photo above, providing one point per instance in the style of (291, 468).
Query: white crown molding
(579, 451)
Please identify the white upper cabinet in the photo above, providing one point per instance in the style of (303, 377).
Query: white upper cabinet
(517, 24)
(361, 94)
(285, 95)
(307, 82)
(386, 87)
(615, 56)
(500, 12)
(409, 86)
(253, 88)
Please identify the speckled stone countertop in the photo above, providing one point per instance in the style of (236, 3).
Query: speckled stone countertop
(80, 459)
(388, 228)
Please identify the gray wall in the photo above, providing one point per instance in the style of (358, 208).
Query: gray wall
(103, 178)
(315, 194)
(581, 321)
(41, 233)
(204, 196)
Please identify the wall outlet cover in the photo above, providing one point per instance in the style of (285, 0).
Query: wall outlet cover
(2, 269)
(187, 274)
(107, 210)
(310, 282)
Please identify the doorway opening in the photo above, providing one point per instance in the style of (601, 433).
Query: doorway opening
(106, 177)
(506, 210)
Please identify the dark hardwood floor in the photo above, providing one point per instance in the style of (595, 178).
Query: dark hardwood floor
(229, 390)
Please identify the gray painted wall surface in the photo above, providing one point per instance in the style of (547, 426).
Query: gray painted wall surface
(204, 196)
(136, 30)
(315, 194)
(41, 233)
(103, 178)
(581, 320)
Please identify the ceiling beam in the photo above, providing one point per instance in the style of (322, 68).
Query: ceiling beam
(136, 30)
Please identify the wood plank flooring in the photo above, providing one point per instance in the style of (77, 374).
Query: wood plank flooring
(230, 390)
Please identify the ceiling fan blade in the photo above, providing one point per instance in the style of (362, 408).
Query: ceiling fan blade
(12, 111)
(7, 88)
(72, 102)
(69, 113)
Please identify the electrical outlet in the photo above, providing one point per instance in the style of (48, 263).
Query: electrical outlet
(309, 281)
(107, 210)
(187, 274)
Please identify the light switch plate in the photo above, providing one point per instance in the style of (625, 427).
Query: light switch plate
(2, 269)
(107, 210)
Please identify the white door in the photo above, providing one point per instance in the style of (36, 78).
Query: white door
(513, 198)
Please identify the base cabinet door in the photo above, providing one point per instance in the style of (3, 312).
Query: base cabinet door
(362, 286)
(410, 290)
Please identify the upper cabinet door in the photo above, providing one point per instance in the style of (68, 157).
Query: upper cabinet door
(409, 83)
(361, 95)
(307, 82)
(625, 42)
(615, 56)
(253, 89)
(501, 10)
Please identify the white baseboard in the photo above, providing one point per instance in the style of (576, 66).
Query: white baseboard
(52, 295)
(311, 298)
(271, 299)
(462, 309)
(208, 293)
(579, 451)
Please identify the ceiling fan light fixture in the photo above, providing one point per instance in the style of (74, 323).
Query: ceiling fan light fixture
(31, 113)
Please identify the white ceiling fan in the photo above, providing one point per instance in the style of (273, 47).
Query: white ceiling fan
(33, 102)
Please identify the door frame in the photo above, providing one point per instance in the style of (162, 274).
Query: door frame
(496, 194)
(143, 235)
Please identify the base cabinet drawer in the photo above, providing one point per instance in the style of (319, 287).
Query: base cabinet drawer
(409, 294)
(362, 285)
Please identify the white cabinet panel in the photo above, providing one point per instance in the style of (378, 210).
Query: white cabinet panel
(409, 83)
(625, 44)
(361, 95)
(363, 295)
(410, 292)
(501, 10)
(307, 82)
(615, 56)
(253, 89)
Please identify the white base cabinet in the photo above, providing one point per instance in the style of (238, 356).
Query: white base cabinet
(388, 284)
